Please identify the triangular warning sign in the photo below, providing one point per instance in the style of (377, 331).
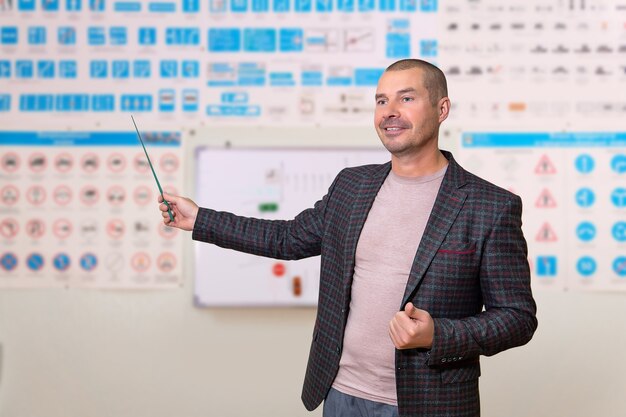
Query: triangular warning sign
(546, 234)
(545, 199)
(545, 166)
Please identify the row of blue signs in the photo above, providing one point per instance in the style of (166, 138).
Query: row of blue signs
(586, 197)
(270, 40)
(171, 68)
(547, 266)
(103, 102)
(127, 102)
(235, 6)
(249, 76)
(98, 68)
(36, 261)
(586, 231)
(585, 163)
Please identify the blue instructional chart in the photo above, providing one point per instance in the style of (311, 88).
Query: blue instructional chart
(272, 50)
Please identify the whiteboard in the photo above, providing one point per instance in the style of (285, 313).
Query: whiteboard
(266, 183)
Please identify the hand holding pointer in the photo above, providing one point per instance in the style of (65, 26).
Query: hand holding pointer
(183, 209)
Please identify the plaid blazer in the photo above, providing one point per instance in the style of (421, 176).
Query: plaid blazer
(472, 254)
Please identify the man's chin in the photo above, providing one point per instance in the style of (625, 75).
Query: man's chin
(395, 149)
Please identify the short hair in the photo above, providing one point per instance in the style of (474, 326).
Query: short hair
(434, 79)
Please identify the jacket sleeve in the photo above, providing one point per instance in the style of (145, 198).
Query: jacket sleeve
(509, 317)
(281, 239)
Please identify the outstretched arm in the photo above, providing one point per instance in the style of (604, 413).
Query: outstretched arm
(282, 239)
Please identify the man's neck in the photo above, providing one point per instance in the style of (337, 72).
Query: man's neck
(418, 165)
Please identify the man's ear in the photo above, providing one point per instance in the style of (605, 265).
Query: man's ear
(444, 108)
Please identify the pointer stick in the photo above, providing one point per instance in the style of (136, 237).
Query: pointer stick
(169, 209)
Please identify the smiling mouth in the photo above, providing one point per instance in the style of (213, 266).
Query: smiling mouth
(393, 130)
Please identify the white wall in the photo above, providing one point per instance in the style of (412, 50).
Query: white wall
(575, 365)
(73, 353)
(100, 354)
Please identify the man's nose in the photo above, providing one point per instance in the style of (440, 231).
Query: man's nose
(391, 111)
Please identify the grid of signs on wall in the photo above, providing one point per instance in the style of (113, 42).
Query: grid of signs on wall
(190, 60)
(79, 210)
(574, 192)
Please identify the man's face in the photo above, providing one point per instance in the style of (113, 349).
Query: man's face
(405, 119)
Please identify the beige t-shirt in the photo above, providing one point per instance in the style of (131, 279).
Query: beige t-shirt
(384, 257)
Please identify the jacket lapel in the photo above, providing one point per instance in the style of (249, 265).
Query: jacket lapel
(361, 205)
(447, 206)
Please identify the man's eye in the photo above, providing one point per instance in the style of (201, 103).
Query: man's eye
(405, 99)
(380, 102)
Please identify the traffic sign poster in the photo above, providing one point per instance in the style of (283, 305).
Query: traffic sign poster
(572, 187)
(79, 210)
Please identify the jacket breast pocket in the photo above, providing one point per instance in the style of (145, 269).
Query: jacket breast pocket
(456, 257)
(457, 248)
(453, 273)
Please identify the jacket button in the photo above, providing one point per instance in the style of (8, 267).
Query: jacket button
(443, 360)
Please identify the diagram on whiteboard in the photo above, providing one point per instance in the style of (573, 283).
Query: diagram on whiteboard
(268, 184)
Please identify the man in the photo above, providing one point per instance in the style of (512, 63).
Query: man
(411, 251)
